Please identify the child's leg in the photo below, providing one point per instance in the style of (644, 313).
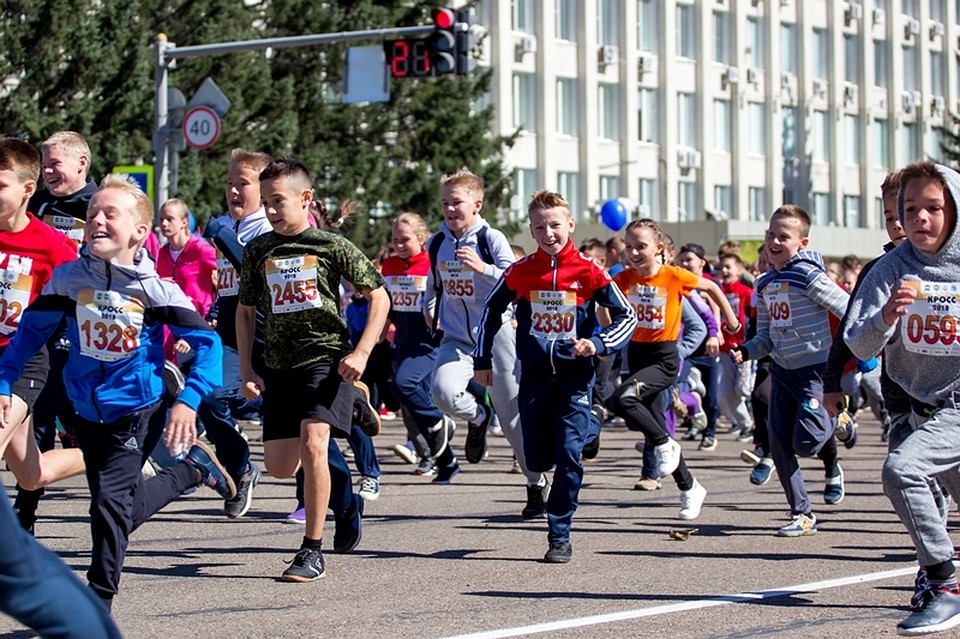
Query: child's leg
(814, 427)
(364, 454)
(411, 384)
(710, 373)
(34, 469)
(314, 455)
(453, 372)
(571, 422)
(760, 398)
(537, 397)
(503, 394)
(781, 424)
(733, 403)
(636, 400)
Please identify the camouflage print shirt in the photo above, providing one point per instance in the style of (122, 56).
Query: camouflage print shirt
(295, 282)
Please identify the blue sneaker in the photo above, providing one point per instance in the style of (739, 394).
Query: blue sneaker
(846, 429)
(212, 473)
(940, 613)
(762, 471)
(833, 488)
(348, 530)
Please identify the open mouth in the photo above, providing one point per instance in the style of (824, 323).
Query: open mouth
(99, 235)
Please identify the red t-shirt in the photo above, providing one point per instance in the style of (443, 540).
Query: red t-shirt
(657, 301)
(27, 260)
(739, 295)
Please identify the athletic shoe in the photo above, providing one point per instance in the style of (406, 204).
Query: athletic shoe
(735, 429)
(476, 446)
(239, 505)
(692, 500)
(364, 414)
(515, 468)
(348, 528)
(801, 525)
(212, 473)
(406, 454)
(438, 436)
(922, 592)
(560, 552)
(306, 566)
(692, 433)
(173, 380)
(746, 435)
(699, 420)
(148, 471)
(369, 488)
(668, 457)
(846, 429)
(708, 444)
(647, 484)
(299, 516)
(536, 501)
(762, 471)
(591, 449)
(833, 488)
(940, 613)
(446, 474)
(426, 467)
(750, 456)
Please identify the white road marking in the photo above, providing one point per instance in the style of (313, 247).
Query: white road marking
(710, 602)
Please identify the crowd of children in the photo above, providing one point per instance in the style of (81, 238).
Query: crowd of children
(150, 343)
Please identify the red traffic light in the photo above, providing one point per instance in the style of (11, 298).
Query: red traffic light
(444, 18)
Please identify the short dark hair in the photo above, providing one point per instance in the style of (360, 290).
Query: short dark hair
(924, 170)
(794, 212)
(21, 158)
(590, 244)
(696, 249)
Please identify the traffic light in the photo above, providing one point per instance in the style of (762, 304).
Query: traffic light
(466, 41)
(443, 42)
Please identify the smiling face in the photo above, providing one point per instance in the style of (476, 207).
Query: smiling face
(405, 241)
(242, 191)
(64, 173)
(287, 203)
(112, 230)
(929, 216)
(729, 270)
(461, 208)
(642, 249)
(551, 228)
(784, 239)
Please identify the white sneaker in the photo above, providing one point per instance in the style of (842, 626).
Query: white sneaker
(692, 500)
(406, 454)
(668, 457)
(369, 488)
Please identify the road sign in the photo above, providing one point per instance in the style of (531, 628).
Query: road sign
(141, 174)
(201, 127)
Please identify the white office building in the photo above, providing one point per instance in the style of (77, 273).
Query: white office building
(708, 114)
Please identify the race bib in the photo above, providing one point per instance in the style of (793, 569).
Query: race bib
(66, 224)
(650, 305)
(930, 326)
(734, 300)
(292, 283)
(110, 324)
(777, 298)
(457, 280)
(406, 292)
(553, 315)
(228, 282)
(15, 288)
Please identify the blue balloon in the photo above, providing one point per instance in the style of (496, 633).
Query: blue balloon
(193, 221)
(613, 214)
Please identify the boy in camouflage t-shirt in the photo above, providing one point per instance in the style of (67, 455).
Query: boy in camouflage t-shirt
(292, 276)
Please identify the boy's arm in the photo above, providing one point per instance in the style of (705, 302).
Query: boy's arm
(694, 330)
(251, 383)
(867, 331)
(353, 365)
(491, 319)
(502, 256)
(225, 239)
(206, 372)
(623, 320)
(760, 344)
(826, 293)
(37, 324)
(702, 309)
(840, 353)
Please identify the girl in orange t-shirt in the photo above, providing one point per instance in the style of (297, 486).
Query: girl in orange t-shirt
(656, 291)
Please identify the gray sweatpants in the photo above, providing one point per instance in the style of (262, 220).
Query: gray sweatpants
(910, 473)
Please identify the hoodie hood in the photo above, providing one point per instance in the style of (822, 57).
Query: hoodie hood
(75, 205)
(808, 257)
(469, 233)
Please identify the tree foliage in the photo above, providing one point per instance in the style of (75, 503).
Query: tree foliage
(89, 67)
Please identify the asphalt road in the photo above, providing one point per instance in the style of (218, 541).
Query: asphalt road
(443, 561)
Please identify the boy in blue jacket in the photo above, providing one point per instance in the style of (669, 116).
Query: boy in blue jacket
(115, 308)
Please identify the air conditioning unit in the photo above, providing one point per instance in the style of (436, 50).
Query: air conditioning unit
(609, 54)
(786, 3)
(936, 30)
(879, 17)
(688, 158)
(646, 63)
(731, 75)
(852, 11)
(851, 94)
(753, 76)
(527, 44)
(882, 103)
(819, 88)
(907, 101)
(911, 28)
(937, 105)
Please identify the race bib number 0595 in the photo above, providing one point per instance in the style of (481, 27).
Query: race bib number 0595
(930, 325)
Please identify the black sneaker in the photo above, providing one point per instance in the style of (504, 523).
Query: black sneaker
(212, 473)
(364, 414)
(439, 436)
(306, 566)
(348, 530)
(426, 467)
(591, 449)
(476, 446)
(940, 613)
(239, 505)
(536, 501)
(922, 592)
(445, 474)
(560, 552)
(173, 380)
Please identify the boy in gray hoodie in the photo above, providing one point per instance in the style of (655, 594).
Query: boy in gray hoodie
(908, 305)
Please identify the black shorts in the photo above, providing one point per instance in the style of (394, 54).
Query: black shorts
(315, 392)
(34, 376)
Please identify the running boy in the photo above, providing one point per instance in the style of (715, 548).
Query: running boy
(556, 290)
(115, 308)
(907, 306)
(793, 327)
(292, 276)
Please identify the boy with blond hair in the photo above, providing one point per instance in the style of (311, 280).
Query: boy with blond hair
(115, 307)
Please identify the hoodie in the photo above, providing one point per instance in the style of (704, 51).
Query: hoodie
(921, 351)
(66, 214)
(464, 290)
(115, 316)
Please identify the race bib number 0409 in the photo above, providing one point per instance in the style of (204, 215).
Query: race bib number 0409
(930, 326)
(777, 298)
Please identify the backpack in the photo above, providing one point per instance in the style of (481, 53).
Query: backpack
(433, 249)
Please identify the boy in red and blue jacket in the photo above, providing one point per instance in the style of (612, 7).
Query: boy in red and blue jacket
(556, 290)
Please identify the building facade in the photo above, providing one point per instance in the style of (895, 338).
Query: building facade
(709, 114)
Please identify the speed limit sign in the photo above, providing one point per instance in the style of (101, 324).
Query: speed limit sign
(201, 127)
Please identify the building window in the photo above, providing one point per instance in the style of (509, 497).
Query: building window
(567, 113)
(851, 58)
(758, 203)
(608, 26)
(881, 143)
(788, 48)
(524, 184)
(687, 201)
(933, 144)
(686, 119)
(567, 20)
(523, 16)
(909, 8)
(721, 36)
(755, 50)
(647, 115)
(821, 54)
(722, 126)
(936, 73)
(880, 64)
(821, 136)
(647, 27)
(910, 70)
(851, 139)
(909, 144)
(524, 102)
(568, 184)
(609, 110)
(649, 200)
(852, 213)
(757, 128)
(936, 10)
(686, 31)
(820, 215)
(722, 202)
(609, 187)
(788, 131)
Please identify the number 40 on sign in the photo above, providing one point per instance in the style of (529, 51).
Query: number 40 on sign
(201, 127)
